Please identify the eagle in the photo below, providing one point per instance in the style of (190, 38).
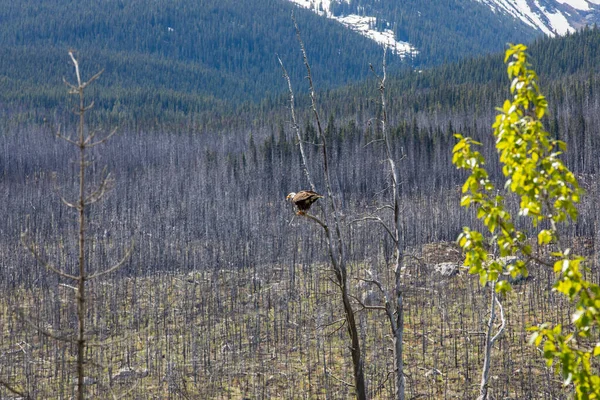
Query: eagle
(303, 200)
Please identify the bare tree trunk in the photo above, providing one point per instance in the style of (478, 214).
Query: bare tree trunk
(397, 323)
(83, 142)
(81, 309)
(398, 331)
(335, 243)
(489, 342)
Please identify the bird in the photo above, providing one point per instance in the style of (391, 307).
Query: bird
(303, 200)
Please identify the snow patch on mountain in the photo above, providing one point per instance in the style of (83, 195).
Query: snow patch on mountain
(553, 17)
(558, 22)
(582, 5)
(363, 25)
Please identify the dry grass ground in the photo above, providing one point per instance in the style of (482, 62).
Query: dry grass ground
(274, 332)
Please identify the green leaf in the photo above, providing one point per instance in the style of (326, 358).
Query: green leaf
(545, 237)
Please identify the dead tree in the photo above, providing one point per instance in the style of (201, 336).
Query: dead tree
(393, 307)
(87, 196)
(334, 238)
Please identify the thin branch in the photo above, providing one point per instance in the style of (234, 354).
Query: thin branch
(99, 192)
(296, 127)
(14, 390)
(317, 220)
(68, 286)
(89, 138)
(89, 106)
(338, 379)
(103, 140)
(68, 204)
(71, 86)
(44, 332)
(380, 221)
(372, 142)
(366, 307)
(385, 207)
(67, 139)
(114, 267)
(92, 79)
(503, 325)
(339, 328)
(336, 283)
(374, 282)
(327, 325)
(32, 247)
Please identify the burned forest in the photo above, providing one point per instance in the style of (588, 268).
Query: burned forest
(202, 282)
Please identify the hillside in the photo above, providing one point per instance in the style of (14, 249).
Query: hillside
(223, 51)
(431, 32)
(182, 56)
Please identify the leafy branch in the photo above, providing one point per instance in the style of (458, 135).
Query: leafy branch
(548, 193)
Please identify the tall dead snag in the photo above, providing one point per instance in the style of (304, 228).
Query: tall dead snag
(334, 238)
(394, 308)
(395, 313)
(87, 196)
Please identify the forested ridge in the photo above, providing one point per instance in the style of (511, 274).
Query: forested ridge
(226, 292)
(444, 31)
(202, 49)
(181, 57)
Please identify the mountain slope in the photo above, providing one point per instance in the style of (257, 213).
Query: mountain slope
(432, 32)
(226, 49)
(553, 17)
(186, 57)
(441, 30)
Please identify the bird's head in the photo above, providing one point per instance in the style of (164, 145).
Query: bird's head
(290, 196)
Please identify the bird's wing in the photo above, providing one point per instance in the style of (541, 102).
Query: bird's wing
(303, 195)
(310, 193)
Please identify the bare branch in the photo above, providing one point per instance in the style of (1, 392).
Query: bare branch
(339, 328)
(338, 379)
(114, 267)
(71, 86)
(14, 390)
(45, 332)
(327, 325)
(372, 142)
(89, 106)
(336, 283)
(385, 207)
(32, 247)
(103, 140)
(99, 192)
(66, 203)
(66, 139)
(68, 286)
(89, 138)
(296, 127)
(76, 64)
(380, 221)
(503, 322)
(366, 307)
(317, 220)
(373, 282)
(92, 79)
